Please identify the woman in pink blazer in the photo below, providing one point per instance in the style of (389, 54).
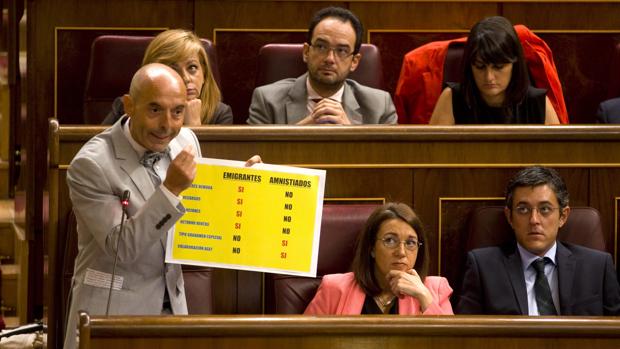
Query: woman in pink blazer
(389, 271)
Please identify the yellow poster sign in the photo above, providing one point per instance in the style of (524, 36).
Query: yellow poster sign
(261, 218)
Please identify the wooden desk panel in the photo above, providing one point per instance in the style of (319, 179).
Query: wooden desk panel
(442, 171)
(461, 332)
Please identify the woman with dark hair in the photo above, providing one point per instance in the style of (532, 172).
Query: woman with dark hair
(495, 86)
(389, 271)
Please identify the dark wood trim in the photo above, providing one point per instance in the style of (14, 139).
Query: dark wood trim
(386, 133)
(241, 325)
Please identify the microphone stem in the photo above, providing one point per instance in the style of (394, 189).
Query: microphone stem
(120, 232)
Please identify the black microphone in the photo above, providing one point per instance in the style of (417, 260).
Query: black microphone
(125, 199)
(124, 205)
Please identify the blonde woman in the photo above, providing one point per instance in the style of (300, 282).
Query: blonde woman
(182, 50)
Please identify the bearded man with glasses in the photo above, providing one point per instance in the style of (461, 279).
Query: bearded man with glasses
(324, 95)
(537, 274)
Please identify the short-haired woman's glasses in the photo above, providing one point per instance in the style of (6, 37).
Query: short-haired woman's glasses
(392, 242)
(543, 210)
(342, 52)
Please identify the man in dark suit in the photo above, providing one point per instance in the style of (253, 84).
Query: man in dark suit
(609, 111)
(538, 275)
(324, 95)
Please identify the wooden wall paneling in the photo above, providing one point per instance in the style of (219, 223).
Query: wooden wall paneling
(604, 194)
(582, 15)
(433, 187)
(344, 153)
(34, 156)
(398, 15)
(577, 181)
(4, 179)
(389, 184)
(616, 230)
(237, 291)
(454, 215)
(237, 51)
(224, 291)
(249, 292)
(594, 187)
(214, 14)
(585, 76)
(355, 201)
(425, 146)
(73, 49)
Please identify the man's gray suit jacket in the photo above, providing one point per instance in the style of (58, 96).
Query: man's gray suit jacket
(103, 169)
(285, 102)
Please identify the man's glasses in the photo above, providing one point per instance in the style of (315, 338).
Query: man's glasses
(342, 52)
(393, 242)
(544, 210)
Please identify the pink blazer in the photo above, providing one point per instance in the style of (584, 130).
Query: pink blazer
(339, 294)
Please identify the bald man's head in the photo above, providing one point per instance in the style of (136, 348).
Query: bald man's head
(156, 104)
(150, 72)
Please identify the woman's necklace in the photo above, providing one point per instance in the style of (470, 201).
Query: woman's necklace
(384, 304)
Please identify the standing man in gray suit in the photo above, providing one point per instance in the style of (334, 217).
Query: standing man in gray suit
(149, 154)
(324, 95)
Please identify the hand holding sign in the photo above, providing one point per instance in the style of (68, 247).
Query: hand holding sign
(261, 218)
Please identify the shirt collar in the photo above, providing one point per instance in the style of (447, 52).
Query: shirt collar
(135, 145)
(312, 94)
(528, 257)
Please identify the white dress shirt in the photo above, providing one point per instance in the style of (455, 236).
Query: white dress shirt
(161, 167)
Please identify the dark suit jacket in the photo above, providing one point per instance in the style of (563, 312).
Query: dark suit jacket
(609, 111)
(222, 116)
(494, 283)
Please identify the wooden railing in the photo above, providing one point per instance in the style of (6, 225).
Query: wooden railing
(443, 172)
(360, 332)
